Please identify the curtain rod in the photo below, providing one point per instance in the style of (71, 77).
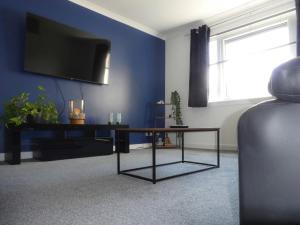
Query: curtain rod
(253, 22)
(247, 24)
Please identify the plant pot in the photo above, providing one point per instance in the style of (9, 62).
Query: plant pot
(30, 119)
(36, 119)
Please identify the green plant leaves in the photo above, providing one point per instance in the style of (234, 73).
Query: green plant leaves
(176, 108)
(18, 120)
(19, 108)
(41, 88)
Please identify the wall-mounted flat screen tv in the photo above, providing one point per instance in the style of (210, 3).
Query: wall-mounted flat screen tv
(58, 50)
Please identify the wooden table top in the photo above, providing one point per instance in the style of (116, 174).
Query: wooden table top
(167, 129)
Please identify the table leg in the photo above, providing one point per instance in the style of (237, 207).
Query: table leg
(218, 148)
(118, 150)
(182, 146)
(153, 158)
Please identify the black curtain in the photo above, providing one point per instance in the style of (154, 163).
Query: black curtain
(298, 25)
(199, 62)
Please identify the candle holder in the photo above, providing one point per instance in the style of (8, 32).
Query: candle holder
(76, 111)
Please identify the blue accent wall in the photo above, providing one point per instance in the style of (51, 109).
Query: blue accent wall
(137, 67)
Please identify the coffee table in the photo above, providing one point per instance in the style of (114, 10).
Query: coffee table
(154, 131)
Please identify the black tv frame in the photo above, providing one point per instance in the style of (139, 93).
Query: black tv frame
(70, 28)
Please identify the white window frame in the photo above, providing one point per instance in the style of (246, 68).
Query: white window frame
(256, 28)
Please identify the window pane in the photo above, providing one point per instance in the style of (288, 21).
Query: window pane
(248, 76)
(213, 83)
(250, 61)
(253, 43)
(213, 52)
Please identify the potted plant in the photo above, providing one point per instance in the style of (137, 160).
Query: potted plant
(47, 111)
(20, 110)
(176, 108)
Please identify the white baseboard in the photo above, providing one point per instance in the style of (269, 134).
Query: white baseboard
(136, 146)
(29, 155)
(223, 147)
(140, 146)
(24, 155)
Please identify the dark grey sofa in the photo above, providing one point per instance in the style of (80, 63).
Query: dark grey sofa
(269, 153)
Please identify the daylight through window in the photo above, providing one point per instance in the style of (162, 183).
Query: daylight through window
(241, 65)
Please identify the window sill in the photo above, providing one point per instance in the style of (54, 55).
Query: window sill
(249, 101)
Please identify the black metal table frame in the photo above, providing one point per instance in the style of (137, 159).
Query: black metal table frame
(181, 131)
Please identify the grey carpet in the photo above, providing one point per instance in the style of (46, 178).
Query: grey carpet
(88, 191)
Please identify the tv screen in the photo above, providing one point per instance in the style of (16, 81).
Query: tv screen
(57, 50)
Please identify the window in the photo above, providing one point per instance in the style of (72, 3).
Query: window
(241, 65)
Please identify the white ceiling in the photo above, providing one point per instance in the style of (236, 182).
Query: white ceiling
(163, 15)
(159, 17)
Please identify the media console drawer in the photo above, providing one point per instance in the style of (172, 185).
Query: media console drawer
(54, 149)
(91, 142)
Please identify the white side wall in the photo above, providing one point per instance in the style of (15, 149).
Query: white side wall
(224, 114)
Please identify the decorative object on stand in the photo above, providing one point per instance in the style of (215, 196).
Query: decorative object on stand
(20, 110)
(111, 118)
(160, 113)
(167, 141)
(159, 141)
(76, 111)
(160, 102)
(163, 111)
(173, 113)
(119, 118)
(176, 108)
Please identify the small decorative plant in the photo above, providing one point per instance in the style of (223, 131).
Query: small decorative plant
(176, 109)
(20, 110)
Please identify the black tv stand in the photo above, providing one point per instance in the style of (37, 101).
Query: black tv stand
(91, 144)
